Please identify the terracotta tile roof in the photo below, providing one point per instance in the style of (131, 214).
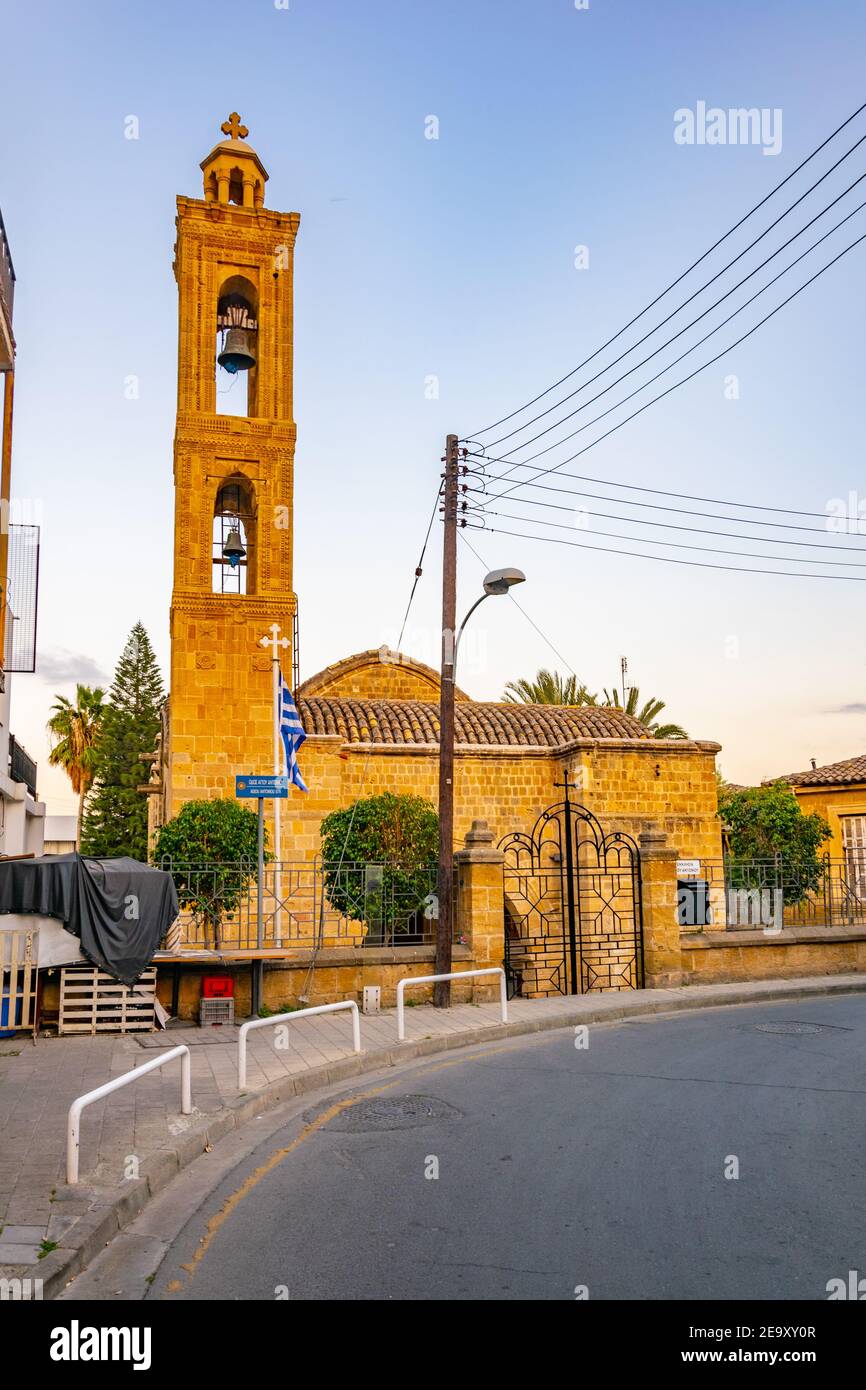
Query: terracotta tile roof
(833, 774)
(411, 721)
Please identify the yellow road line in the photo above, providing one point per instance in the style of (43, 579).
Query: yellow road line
(247, 1186)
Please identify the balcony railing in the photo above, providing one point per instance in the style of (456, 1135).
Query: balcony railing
(22, 768)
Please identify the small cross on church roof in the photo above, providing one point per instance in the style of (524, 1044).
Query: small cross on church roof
(233, 127)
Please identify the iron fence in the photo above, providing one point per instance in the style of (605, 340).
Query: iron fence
(305, 905)
(774, 893)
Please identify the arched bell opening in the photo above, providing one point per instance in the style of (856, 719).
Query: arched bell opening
(236, 186)
(234, 538)
(236, 347)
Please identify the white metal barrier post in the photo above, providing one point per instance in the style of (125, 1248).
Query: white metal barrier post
(73, 1124)
(455, 975)
(286, 1018)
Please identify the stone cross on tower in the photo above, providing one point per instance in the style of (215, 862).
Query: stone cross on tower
(233, 128)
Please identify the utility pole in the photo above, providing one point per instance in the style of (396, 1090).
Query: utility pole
(623, 666)
(445, 876)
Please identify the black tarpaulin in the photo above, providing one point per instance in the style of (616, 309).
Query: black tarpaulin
(118, 908)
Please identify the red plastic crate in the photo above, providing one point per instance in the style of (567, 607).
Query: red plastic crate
(217, 987)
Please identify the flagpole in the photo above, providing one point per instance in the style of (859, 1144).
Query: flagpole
(278, 846)
(275, 641)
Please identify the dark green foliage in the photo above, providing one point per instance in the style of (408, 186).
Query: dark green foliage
(766, 823)
(211, 850)
(400, 835)
(115, 821)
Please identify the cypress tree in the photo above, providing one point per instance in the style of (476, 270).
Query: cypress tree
(115, 822)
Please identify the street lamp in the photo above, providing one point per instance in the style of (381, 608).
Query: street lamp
(495, 583)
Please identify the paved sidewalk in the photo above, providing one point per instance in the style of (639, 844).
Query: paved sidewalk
(135, 1140)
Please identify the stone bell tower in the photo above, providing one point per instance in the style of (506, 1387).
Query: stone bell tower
(233, 474)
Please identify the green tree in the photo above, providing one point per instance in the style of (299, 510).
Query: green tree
(647, 713)
(379, 860)
(766, 823)
(115, 822)
(74, 730)
(548, 688)
(211, 850)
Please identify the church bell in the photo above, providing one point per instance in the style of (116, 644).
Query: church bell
(233, 550)
(237, 354)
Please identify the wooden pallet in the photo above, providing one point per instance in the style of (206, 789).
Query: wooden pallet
(93, 1002)
(19, 951)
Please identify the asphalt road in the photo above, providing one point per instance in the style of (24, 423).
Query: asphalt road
(561, 1168)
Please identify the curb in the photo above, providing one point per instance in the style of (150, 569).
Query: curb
(109, 1211)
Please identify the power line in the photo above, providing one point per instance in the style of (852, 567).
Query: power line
(670, 560)
(420, 565)
(652, 506)
(661, 492)
(487, 429)
(680, 545)
(681, 358)
(532, 623)
(710, 361)
(815, 244)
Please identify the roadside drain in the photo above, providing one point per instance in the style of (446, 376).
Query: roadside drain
(793, 1028)
(388, 1113)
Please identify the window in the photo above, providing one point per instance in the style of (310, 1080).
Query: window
(854, 849)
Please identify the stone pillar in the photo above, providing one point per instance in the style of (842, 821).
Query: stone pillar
(480, 918)
(248, 192)
(661, 931)
(222, 186)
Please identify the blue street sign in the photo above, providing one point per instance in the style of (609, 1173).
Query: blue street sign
(268, 788)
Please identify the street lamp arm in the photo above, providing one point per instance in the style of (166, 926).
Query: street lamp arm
(462, 626)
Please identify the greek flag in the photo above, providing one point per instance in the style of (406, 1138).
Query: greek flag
(292, 734)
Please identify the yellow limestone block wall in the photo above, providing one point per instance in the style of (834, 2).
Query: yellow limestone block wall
(283, 985)
(221, 701)
(670, 784)
(381, 681)
(626, 788)
(377, 675)
(772, 958)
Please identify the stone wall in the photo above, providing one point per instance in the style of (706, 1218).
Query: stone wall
(722, 957)
(627, 785)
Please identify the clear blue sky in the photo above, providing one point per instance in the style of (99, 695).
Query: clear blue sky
(451, 258)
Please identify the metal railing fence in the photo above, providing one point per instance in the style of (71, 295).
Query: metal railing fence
(780, 892)
(318, 905)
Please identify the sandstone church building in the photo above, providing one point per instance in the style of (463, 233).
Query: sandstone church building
(371, 719)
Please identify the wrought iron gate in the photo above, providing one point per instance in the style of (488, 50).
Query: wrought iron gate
(573, 919)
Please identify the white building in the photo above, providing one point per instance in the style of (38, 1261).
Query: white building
(22, 815)
(60, 834)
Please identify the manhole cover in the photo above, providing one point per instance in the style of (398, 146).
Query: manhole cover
(392, 1112)
(789, 1028)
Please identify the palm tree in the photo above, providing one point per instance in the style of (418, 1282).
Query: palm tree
(647, 713)
(548, 688)
(74, 730)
